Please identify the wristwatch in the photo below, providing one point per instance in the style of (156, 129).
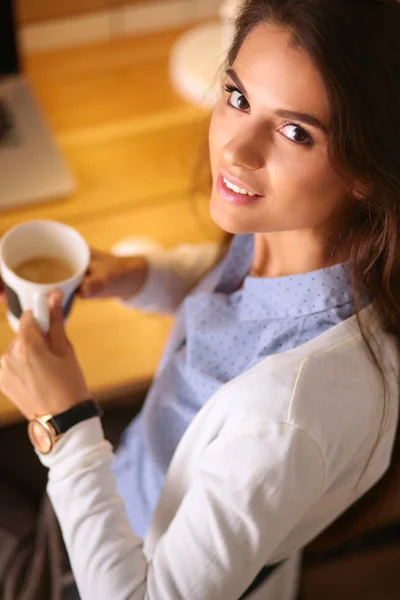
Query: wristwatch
(44, 431)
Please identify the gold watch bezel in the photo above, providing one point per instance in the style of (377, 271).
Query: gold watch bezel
(47, 428)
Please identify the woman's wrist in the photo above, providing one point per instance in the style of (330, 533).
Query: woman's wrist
(135, 275)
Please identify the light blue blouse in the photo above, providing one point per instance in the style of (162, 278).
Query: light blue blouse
(227, 332)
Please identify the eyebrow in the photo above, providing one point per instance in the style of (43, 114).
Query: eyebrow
(286, 114)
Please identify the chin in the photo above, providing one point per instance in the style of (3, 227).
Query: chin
(229, 218)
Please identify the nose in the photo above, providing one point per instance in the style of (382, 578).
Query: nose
(245, 149)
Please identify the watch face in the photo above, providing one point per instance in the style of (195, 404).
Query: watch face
(40, 437)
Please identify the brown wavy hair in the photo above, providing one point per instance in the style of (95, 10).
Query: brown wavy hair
(355, 45)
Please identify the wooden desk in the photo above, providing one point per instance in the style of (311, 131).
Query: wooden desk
(133, 144)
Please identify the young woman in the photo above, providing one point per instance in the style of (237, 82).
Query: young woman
(275, 406)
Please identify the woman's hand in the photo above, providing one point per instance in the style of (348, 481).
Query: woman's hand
(41, 375)
(111, 276)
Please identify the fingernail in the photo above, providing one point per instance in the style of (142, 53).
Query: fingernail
(56, 298)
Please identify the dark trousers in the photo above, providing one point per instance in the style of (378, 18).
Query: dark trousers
(20, 465)
(22, 470)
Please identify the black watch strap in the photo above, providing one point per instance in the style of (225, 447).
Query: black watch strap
(74, 415)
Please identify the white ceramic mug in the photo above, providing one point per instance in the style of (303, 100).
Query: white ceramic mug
(33, 239)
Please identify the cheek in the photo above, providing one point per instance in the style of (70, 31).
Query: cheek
(218, 134)
(326, 190)
(307, 180)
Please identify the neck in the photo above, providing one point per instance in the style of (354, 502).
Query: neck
(290, 253)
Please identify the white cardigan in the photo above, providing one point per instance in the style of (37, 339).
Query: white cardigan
(272, 458)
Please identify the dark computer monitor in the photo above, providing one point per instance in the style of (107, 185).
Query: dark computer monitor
(31, 167)
(9, 60)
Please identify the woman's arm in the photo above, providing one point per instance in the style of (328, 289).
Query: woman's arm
(246, 491)
(251, 488)
(172, 274)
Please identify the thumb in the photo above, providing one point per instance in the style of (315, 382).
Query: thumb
(57, 336)
(29, 331)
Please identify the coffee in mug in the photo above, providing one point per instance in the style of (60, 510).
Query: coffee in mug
(44, 269)
(36, 258)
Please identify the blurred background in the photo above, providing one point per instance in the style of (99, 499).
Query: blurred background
(104, 113)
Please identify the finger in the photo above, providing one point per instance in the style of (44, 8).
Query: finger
(57, 336)
(55, 298)
(4, 360)
(29, 332)
(13, 355)
(4, 373)
(16, 349)
(91, 287)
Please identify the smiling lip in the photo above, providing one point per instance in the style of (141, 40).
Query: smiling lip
(232, 197)
(238, 183)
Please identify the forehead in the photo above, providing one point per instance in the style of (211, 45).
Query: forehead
(280, 76)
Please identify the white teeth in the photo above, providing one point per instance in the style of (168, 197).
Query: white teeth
(237, 189)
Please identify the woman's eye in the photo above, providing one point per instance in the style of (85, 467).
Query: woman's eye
(291, 131)
(296, 134)
(236, 98)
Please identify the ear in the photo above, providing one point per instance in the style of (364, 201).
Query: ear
(361, 190)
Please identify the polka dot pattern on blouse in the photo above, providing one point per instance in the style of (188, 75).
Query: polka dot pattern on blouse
(226, 333)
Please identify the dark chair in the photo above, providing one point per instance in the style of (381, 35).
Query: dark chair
(358, 556)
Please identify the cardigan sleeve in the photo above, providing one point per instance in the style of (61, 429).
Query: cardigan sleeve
(251, 487)
(172, 274)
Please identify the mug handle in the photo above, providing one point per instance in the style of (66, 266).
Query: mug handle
(41, 311)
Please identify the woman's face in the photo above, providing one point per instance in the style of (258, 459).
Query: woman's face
(269, 131)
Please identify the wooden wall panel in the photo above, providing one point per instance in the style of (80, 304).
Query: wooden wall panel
(32, 11)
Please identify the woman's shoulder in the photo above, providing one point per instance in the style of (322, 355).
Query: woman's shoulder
(327, 385)
(328, 391)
